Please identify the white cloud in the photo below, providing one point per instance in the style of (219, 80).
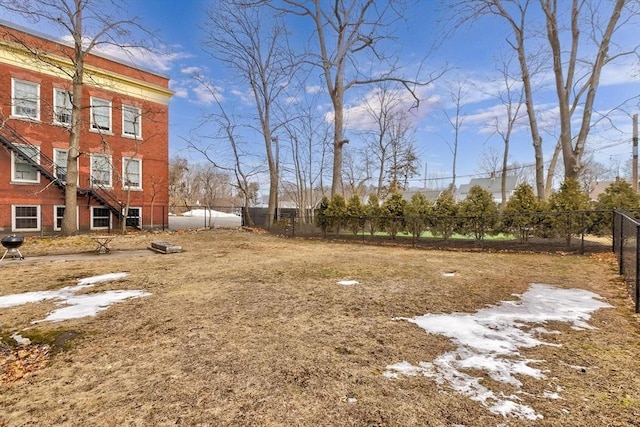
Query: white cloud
(190, 70)
(361, 116)
(155, 60)
(313, 89)
(207, 93)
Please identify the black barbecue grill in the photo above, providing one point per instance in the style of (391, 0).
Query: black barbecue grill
(12, 243)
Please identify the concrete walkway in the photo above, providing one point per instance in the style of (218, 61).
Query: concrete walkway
(82, 256)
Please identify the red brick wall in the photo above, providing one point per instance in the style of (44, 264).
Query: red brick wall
(152, 148)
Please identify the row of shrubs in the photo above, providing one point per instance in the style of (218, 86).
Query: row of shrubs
(567, 212)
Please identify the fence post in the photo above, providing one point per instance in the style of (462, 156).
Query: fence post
(613, 230)
(621, 243)
(582, 233)
(637, 290)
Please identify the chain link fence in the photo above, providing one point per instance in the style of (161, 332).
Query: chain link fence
(571, 231)
(626, 235)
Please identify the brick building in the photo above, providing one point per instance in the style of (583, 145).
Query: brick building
(123, 138)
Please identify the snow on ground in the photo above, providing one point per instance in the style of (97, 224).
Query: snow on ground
(489, 341)
(74, 306)
(209, 213)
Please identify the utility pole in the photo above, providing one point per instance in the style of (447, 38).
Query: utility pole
(425, 175)
(634, 173)
(275, 141)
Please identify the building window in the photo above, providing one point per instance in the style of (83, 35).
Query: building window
(100, 218)
(26, 218)
(60, 163)
(23, 164)
(61, 107)
(132, 173)
(58, 213)
(134, 217)
(131, 121)
(26, 99)
(101, 170)
(100, 114)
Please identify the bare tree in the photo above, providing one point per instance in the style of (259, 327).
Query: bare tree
(308, 135)
(511, 97)
(383, 109)
(457, 94)
(403, 159)
(345, 30)
(237, 34)
(357, 172)
(179, 182)
(577, 85)
(91, 24)
(577, 62)
(235, 163)
(489, 161)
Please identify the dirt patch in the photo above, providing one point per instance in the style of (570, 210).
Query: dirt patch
(250, 329)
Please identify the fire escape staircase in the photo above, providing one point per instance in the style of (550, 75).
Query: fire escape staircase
(11, 139)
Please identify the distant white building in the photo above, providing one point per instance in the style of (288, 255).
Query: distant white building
(492, 185)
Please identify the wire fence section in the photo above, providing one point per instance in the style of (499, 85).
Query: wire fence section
(574, 231)
(626, 235)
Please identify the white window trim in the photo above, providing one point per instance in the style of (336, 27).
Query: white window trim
(55, 108)
(13, 97)
(13, 218)
(13, 169)
(138, 134)
(55, 165)
(124, 172)
(110, 219)
(55, 217)
(92, 127)
(110, 185)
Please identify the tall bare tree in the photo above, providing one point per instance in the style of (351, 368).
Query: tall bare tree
(577, 84)
(346, 31)
(404, 162)
(383, 108)
(233, 159)
(511, 97)
(577, 61)
(254, 47)
(457, 95)
(307, 134)
(91, 24)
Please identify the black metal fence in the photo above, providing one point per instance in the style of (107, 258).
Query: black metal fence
(574, 231)
(626, 235)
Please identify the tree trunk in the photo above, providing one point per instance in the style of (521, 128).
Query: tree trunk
(70, 217)
(552, 168)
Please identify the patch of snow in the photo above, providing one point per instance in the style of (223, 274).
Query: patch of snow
(20, 339)
(77, 306)
(102, 278)
(89, 304)
(347, 283)
(551, 395)
(209, 213)
(490, 339)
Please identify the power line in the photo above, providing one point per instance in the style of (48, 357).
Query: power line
(513, 168)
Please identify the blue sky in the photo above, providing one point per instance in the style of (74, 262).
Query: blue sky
(471, 54)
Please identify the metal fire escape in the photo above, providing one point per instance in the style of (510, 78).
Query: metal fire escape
(11, 139)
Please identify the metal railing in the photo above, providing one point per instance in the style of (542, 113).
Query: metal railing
(626, 236)
(12, 139)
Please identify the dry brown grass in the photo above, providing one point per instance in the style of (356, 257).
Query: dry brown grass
(249, 329)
